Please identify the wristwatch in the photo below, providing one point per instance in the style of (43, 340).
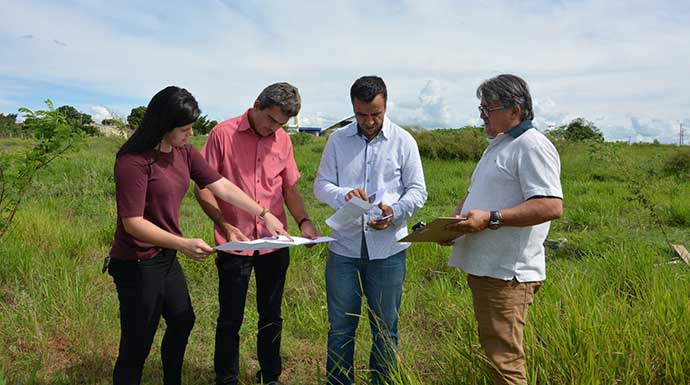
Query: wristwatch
(495, 220)
(263, 212)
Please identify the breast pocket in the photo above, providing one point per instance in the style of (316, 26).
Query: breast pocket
(273, 167)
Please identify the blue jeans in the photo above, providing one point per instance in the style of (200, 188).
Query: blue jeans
(381, 281)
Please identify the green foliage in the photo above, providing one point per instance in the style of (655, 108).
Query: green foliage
(556, 134)
(466, 143)
(581, 129)
(78, 121)
(203, 126)
(9, 126)
(54, 136)
(135, 117)
(301, 138)
(678, 163)
(611, 311)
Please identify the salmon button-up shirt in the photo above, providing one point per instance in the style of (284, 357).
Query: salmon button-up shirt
(260, 166)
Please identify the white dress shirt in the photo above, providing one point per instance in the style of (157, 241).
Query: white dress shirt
(391, 162)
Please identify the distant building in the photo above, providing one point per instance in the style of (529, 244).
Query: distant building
(316, 131)
(111, 129)
(294, 127)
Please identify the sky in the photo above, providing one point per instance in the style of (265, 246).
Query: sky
(624, 65)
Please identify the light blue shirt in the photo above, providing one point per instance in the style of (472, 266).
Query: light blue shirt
(391, 162)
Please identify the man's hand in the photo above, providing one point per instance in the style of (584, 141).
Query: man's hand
(309, 231)
(232, 233)
(386, 211)
(196, 249)
(471, 222)
(274, 226)
(359, 193)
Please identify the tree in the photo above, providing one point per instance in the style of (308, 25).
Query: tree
(53, 137)
(581, 129)
(135, 117)
(9, 125)
(555, 134)
(78, 121)
(202, 126)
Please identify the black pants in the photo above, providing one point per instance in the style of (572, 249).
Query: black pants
(234, 272)
(148, 289)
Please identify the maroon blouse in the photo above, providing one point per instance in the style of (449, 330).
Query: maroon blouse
(153, 188)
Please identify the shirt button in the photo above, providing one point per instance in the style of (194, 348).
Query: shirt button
(367, 180)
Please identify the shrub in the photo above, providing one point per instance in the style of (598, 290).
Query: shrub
(678, 163)
(301, 138)
(466, 143)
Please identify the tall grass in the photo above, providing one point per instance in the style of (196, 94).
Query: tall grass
(611, 311)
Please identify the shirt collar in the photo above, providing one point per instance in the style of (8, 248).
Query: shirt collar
(245, 126)
(520, 128)
(385, 132)
(244, 122)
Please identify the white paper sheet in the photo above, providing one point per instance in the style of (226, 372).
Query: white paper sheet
(270, 243)
(353, 209)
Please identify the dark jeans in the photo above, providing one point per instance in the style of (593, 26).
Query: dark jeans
(148, 289)
(234, 272)
(381, 281)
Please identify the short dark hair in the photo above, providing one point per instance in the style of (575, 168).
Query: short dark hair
(508, 90)
(367, 87)
(171, 107)
(284, 95)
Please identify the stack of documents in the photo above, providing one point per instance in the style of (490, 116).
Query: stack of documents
(271, 243)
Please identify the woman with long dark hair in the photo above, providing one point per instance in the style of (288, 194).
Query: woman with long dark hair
(152, 174)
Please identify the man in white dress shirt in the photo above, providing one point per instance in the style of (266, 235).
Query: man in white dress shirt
(370, 154)
(514, 194)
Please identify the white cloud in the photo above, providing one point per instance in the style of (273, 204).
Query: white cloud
(588, 58)
(429, 110)
(98, 113)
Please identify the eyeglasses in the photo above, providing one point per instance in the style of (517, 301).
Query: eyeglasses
(483, 111)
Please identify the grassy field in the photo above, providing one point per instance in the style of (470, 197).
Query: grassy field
(612, 311)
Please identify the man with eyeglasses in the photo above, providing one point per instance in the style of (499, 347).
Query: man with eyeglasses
(514, 193)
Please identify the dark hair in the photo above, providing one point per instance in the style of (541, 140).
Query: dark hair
(169, 108)
(367, 87)
(508, 90)
(283, 95)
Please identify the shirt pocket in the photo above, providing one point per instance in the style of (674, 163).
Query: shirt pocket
(273, 166)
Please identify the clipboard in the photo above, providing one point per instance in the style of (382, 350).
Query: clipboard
(434, 231)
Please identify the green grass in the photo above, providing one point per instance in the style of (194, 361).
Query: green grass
(611, 311)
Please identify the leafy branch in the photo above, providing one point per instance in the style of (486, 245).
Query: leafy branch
(52, 137)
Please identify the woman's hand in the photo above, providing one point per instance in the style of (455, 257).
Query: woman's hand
(196, 249)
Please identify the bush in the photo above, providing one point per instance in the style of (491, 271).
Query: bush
(466, 143)
(579, 129)
(678, 163)
(301, 138)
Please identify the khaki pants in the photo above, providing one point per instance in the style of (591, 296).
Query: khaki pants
(500, 308)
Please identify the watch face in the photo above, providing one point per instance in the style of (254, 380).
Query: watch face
(494, 221)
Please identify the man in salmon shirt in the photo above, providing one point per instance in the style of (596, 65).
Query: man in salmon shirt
(254, 152)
